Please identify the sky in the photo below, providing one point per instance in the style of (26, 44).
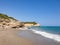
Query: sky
(44, 12)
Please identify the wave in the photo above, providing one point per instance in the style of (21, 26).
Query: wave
(48, 35)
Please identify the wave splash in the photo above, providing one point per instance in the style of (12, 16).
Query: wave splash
(48, 35)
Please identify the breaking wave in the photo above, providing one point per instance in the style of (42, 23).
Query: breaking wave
(48, 35)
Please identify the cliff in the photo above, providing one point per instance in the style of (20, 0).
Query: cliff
(6, 21)
(10, 22)
(31, 24)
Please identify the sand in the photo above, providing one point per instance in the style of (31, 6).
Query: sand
(37, 38)
(23, 37)
(9, 37)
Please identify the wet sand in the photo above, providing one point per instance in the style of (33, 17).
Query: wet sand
(9, 37)
(37, 39)
(23, 37)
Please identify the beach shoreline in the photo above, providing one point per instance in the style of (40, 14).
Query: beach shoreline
(37, 39)
(23, 37)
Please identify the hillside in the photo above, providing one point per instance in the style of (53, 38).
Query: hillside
(10, 22)
(3, 16)
(31, 24)
(6, 21)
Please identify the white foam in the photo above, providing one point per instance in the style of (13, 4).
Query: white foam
(48, 35)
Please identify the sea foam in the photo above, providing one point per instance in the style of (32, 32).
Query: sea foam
(48, 35)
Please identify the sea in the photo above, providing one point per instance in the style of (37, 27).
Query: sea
(42, 35)
(52, 32)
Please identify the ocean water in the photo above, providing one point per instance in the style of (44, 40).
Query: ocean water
(52, 32)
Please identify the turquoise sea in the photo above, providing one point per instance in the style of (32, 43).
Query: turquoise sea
(49, 29)
(52, 32)
(44, 35)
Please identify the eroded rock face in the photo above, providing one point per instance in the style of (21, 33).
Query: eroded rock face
(12, 24)
(9, 22)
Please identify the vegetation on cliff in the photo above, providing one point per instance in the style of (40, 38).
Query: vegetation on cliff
(6, 21)
(4, 16)
(30, 23)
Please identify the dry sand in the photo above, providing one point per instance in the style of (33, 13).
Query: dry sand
(9, 37)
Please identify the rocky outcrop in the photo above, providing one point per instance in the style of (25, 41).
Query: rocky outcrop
(31, 24)
(9, 22)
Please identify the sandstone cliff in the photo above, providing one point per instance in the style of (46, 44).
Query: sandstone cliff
(9, 22)
(31, 24)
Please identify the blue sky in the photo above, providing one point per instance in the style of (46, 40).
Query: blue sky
(45, 12)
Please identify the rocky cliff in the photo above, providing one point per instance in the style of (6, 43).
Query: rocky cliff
(31, 24)
(6, 21)
(10, 22)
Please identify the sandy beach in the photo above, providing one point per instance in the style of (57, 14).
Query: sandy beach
(9, 37)
(37, 39)
(23, 37)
